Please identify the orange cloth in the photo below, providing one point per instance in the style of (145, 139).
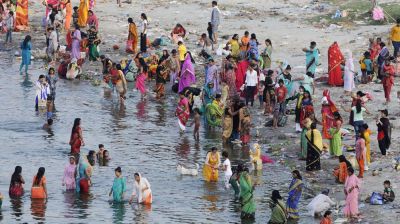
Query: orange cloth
(341, 172)
(244, 41)
(361, 167)
(326, 220)
(68, 16)
(133, 36)
(21, 20)
(37, 192)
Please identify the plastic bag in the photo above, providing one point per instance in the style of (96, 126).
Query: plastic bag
(376, 199)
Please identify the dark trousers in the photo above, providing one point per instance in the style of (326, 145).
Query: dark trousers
(250, 94)
(143, 47)
(396, 46)
(383, 145)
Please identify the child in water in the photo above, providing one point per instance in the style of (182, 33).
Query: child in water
(196, 122)
(47, 126)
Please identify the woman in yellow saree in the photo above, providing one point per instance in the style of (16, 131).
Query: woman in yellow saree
(83, 12)
(210, 169)
(21, 20)
(255, 157)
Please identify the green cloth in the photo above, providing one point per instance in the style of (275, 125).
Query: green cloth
(335, 143)
(118, 188)
(214, 114)
(303, 143)
(93, 53)
(246, 196)
(358, 116)
(278, 214)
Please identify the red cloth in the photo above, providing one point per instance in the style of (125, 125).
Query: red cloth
(84, 185)
(335, 58)
(241, 74)
(374, 51)
(281, 93)
(388, 81)
(75, 141)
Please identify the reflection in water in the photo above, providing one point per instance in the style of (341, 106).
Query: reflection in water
(69, 200)
(160, 121)
(38, 209)
(16, 206)
(83, 205)
(141, 112)
(141, 213)
(27, 82)
(211, 195)
(183, 148)
(118, 212)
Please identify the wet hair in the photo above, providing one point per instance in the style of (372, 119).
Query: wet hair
(297, 174)
(268, 41)
(39, 175)
(386, 182)
(104, 152)
(276, 196)
(118, 169)
(342, 159)
(327, 213)
(27, 39)
(101, 146)
(358, 106)
(77, 121)
(225, 154)
(214, 149)
(16, 176)
(130, 20)
(280, 81)
(143, 15)
(203, 35)
(49, 121)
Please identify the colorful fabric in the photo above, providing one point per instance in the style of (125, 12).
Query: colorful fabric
(76, 42)
(247, 202)
(210, 168)
(213, 77)
(83, 175)
(118, 188)
(75, 141)
(335, 146)
(335, 59)
(37, 190)
(143, 196)
(349, 72)
(26, 53)
(93, 21)
(341, 172)
(187, 77)
(295, 190)
(182, 112)
(214, 113)
(227, 126)
(133, 38)
(352, 189)
(313, 150)
(241, 74)
(21, 20)
(278, 214)
(68, 16)
(367, 136)
(312, 60)
(303, 143)
(140, 82)
(266, 56)
(255, 157)
(69, 176)
(83, 12)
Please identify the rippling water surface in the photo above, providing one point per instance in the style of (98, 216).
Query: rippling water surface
(143, 137)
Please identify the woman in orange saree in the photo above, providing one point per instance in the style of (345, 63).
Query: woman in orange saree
(335, 59)
(21, 21)
(68, 15)
(341, 172)
(131, 43)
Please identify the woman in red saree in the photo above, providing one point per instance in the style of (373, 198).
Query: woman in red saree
(327, 110)
(335, 59)
(21, 20)
(241, 74)
(388, 79)
(182, 111)
(76, 140)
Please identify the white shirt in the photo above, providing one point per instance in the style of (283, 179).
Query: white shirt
(319, 204)
(261, 77)
(143, 26)
(228, 171)
(251, 78)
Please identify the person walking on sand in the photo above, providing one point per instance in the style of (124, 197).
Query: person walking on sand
(384, 131)
(143, 33)
(388, 79)
(215, 20)
(395, 37)
(312, 58)
(131, 44)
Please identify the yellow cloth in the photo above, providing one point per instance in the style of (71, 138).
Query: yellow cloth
(362, 64)
(395, 34)
(367, 137)
(209, 173)
(255, 157)
(317, 138)
(182, 51)
(83, 13)
(235, 47)
(227, 127)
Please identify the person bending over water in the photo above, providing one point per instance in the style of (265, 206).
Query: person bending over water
(141, 190)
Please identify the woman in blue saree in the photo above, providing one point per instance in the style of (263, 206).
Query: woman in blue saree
(119, 186)
(312, 58)
(295, 190)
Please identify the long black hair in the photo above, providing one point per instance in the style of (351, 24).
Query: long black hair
(276, 196)
(358, 106)
(191, 58)
(26, 41)
(39, 175)
(143, 15)
(298, 174)
(16, 176)
(312, 127)
(77, 122)
(342, 159)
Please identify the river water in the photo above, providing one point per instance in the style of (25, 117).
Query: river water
(143, 137)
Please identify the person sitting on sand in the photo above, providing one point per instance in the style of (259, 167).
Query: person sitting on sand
(320, 204)
(388, 194)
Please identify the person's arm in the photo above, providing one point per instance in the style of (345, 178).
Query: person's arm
(22, 180)
(367, 111)
(81, 137)
(145, 27)
(146, 183)
(45, 189)
(109, 194)
(207, 159)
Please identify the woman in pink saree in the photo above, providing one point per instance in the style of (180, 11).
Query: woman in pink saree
(76, 44)
(70, 174)
(351, 190)
(182, 111)
(141, 79)
(187, 76)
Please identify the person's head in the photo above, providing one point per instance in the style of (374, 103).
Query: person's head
(118, 171)
(209, 24)
(270, 72)
(77, 27)
(310, 74)
(386, 183)
(137, 177)
(313, 126)
(379, 40)
(17, 171)
(360, 94)
(130, 20)
(76, 8)
(325, 192)
(225, 154)
(196, 111)
(101, 147)
(328, 214)
(350, 171)
(336, 115)
(118, 66)
(365, 126)
(182, 94)
(214, 3)
(288, 68)
(180, 43)
(296, 174)
(106, 154)
(268, 42)
(203, 36)
(27, 39)
(367, 54)
(39, 175)
(50, 121)
(301, 89)
(280, 82)
(384, 113)
(342, 159)
(52, 71)
(382, 44)
(306, 94)
(275, 196)
(42, 78)
(235, 36)
(11, 13)
(77, 122)
(174, 52)
(313, 44)
(387, 61)
(72, 160)
(246, 33)
(143, 16)
(214, 150)
(253, 36)
(90, 13)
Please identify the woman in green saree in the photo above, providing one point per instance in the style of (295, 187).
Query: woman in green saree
(246, 196)
(266, 54)
(278, 213)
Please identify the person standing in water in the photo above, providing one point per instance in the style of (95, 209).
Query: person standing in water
(16, 189)
(141, 190)
(210, 169)
(76, 140)
(119, 186)
(69, 174)
(39, 189)
(26, 47)
(52, 79)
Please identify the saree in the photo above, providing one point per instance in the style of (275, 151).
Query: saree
(208, 94)
(230, 79)
(241, 74)
(26, 53)
(278, 214)
(93, 21)
(75, 141)
(76, 48)
(295, 190)
(210, 174)
(352, 189)
(303, 143)
(37, 191)
(83, 12)
(227, 127)
(69, 176)
(327, 110)
(68, 16)
(82, 179)
(367, 136)
(214, 114)
(313, 150)
(312, 60)
(266, 57)
(213, 77)
(255, 157)
(21, 19)
(335, 59)
(183, 113)
(335, 143)
(246, 197)
(348, 77)
(118, 188)
(16, 188)
(306, 110)
(341, 172)
(187, 77)
(140, 82)
(131, 45)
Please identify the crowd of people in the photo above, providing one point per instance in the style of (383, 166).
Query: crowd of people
(225, 102)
